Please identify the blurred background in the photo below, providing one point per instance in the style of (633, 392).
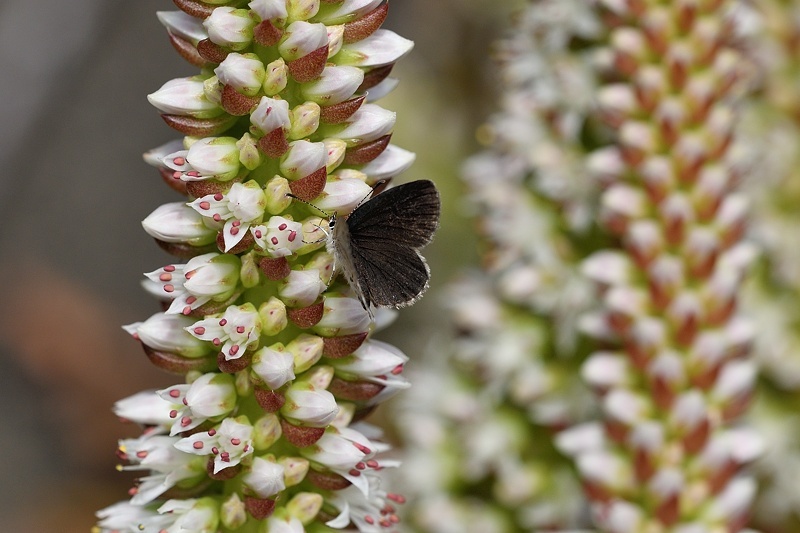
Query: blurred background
(75, 188)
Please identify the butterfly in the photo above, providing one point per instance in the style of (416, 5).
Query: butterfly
(376, 246)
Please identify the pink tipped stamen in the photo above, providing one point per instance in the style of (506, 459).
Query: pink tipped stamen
(372, 463)
(205, 205)
(141, 455)
(212, 432)
(240, 329)
(191, 299)
(174, 393)
(179, 161)
(234, 230)
(215, 450)
(234, 349)
(258, 234)
(223, 321)
(216, 217)
(165, 277)
(236, 441)
(198, 445)
(169, 268)
(369, 520)
(169, 288)
(218, 197)
(187, 310)
(225, 456)
(283, 227)
(173, 414)
(363, 449)
(361, 466)
(193, 174)
(236, 223)
(216, 341)
(292, 236)
(199, 330)
(396, 498)
(354, 472)
(274, 241)
(185, 421)
(397, 370)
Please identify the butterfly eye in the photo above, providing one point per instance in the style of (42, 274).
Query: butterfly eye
(332, 223)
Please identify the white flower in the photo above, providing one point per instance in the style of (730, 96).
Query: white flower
(391, 162)
(184, 96)
(243, 72)
(145, 408)
(367, 124)
(370, 512)
(335, 84)
(301, 288)
(238, 328)
(376, 362)
(167, 333)
(127, 517)
(349, 10)
(229, 27)
(381, 48)
(182, 25)
(269, 9)
(288, 524)
(301, 38)
(229, 443)
(274, 366)
(240, 207)
(196, 516)
(342, 195)
(265, 477)
(280, 237)
(314, 407)
(302, 159)
(271, 114)
(211, 157)
(342, 316)
(168, 465)
(177, 222)
(206, 277)
(210, 396)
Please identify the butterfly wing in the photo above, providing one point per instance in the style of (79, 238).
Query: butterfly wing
(393, 277)
(404, 216)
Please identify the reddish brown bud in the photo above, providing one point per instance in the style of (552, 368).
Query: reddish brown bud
(310, 66)
(274, 268)
(374, 77)
(184, 251)
(338, 113)
(211, 51)
(194, 8)
(366, 25)
(269, 400)
(327, 481)
(338, 347)
(274, 143)
(355, 391)
(364, 153)
(266, 33)
(188, 51)
(311, 186)
(233, 366)
(224, 474)
(259, 508)
(306, 317)
(301, 436)
(177, 364)
(236, 103)
(199, 127)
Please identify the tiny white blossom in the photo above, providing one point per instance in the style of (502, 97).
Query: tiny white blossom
(210, 396)
(229, 443)
(280, 237)
(235, 331)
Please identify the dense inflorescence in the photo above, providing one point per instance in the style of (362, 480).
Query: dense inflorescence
(264, 434)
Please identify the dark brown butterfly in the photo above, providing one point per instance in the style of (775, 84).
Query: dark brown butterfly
(377, 246)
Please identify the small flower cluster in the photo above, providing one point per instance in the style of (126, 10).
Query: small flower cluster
(279, 366)
(517, 351)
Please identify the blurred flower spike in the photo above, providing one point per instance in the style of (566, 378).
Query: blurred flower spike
(263, 432)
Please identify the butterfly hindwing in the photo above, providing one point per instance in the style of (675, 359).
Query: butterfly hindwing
(390, 278)
(406, 215)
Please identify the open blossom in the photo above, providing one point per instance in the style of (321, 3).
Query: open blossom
(252, 310)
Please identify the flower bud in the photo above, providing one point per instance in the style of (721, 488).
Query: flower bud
(302, 9)
(144, 408)
(342, 195)
(213, 275)
(313, 407)
(229, 27)
(302, 38)
(274, 365)
(373, 358)
(276, 191)
(342, 316)
(304, 119)
(294, 470)
(192, 515)
(320, 376)
(232, 512)
(265, 477)
(178, 223)
(381, 48)
(269, 9)
(306, 351)
(186, 97)
(336, 150)
(391, 162)
(303, 158)
(367, 124)
(271, 114)
(266, 431)
(243, 72)
(249, 155)
(288, 524)
(335, 84)
(273, 316)
(249, 274)
(335, 39)
(301, 288)
(276, 77)
(313, 237)
(212, 157)
(305, 506)
(182, 25)
(323, 262)
(349, 10)
(167, 333)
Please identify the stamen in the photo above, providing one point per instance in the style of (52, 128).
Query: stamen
(283, 226)
(198, 445)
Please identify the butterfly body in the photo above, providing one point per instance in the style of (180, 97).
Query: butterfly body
(376, 247)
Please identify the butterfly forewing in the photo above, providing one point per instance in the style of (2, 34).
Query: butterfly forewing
(406, 215)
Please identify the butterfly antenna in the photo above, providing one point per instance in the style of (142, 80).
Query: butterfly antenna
(377, 184)
(290, 195)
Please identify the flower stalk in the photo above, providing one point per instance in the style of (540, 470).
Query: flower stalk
(277, 360)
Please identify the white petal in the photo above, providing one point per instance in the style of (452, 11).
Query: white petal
(380, 48)
(367, 124)
(183, 25)
(390, 163)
